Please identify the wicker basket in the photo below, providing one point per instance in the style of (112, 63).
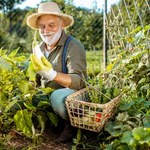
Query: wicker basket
(87, 115)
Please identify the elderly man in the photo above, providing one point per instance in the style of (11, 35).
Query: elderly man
(65, 77)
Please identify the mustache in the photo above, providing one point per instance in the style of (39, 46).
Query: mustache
(48, 34)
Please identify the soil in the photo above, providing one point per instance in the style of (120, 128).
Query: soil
(14, 140)
(48, 141)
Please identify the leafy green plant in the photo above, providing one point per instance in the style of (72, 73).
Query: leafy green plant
(21, 101)
(129, 73)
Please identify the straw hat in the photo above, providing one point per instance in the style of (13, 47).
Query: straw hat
(50, 8)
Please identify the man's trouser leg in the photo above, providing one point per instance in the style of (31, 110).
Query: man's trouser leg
(57, 100)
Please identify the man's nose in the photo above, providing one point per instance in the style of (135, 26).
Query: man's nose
(46, 29)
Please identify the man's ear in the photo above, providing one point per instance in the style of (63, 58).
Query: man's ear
(62, 24)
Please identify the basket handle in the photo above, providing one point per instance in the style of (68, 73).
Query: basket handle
(90, 86)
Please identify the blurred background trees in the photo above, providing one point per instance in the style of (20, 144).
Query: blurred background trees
(15, 33)
(88, 26)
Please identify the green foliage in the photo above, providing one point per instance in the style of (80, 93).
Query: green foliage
(20, 99)
(24, 122)
(7, 5)
(127, 73)
(53, 118)
(94, 61)
(12, 34)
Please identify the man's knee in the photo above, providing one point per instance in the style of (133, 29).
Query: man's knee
(57, 100)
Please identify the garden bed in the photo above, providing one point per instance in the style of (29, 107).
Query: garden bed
(47, 141)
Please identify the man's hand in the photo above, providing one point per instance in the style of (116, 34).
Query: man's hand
(43, 67)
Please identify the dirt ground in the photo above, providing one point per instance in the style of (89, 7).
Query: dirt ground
(48, 141)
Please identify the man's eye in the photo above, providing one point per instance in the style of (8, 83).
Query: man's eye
(41, 27)
(51, 25)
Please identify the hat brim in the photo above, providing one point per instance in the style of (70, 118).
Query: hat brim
(32, 19)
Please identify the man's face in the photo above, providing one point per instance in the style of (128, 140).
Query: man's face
(50, 28)
(49, 23)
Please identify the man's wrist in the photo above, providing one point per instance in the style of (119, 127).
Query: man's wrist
(53, 74)
(49, 75)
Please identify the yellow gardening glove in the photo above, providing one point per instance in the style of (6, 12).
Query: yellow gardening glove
(37, 52)
(43, 67)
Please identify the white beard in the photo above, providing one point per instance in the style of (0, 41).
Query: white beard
(52, 37)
